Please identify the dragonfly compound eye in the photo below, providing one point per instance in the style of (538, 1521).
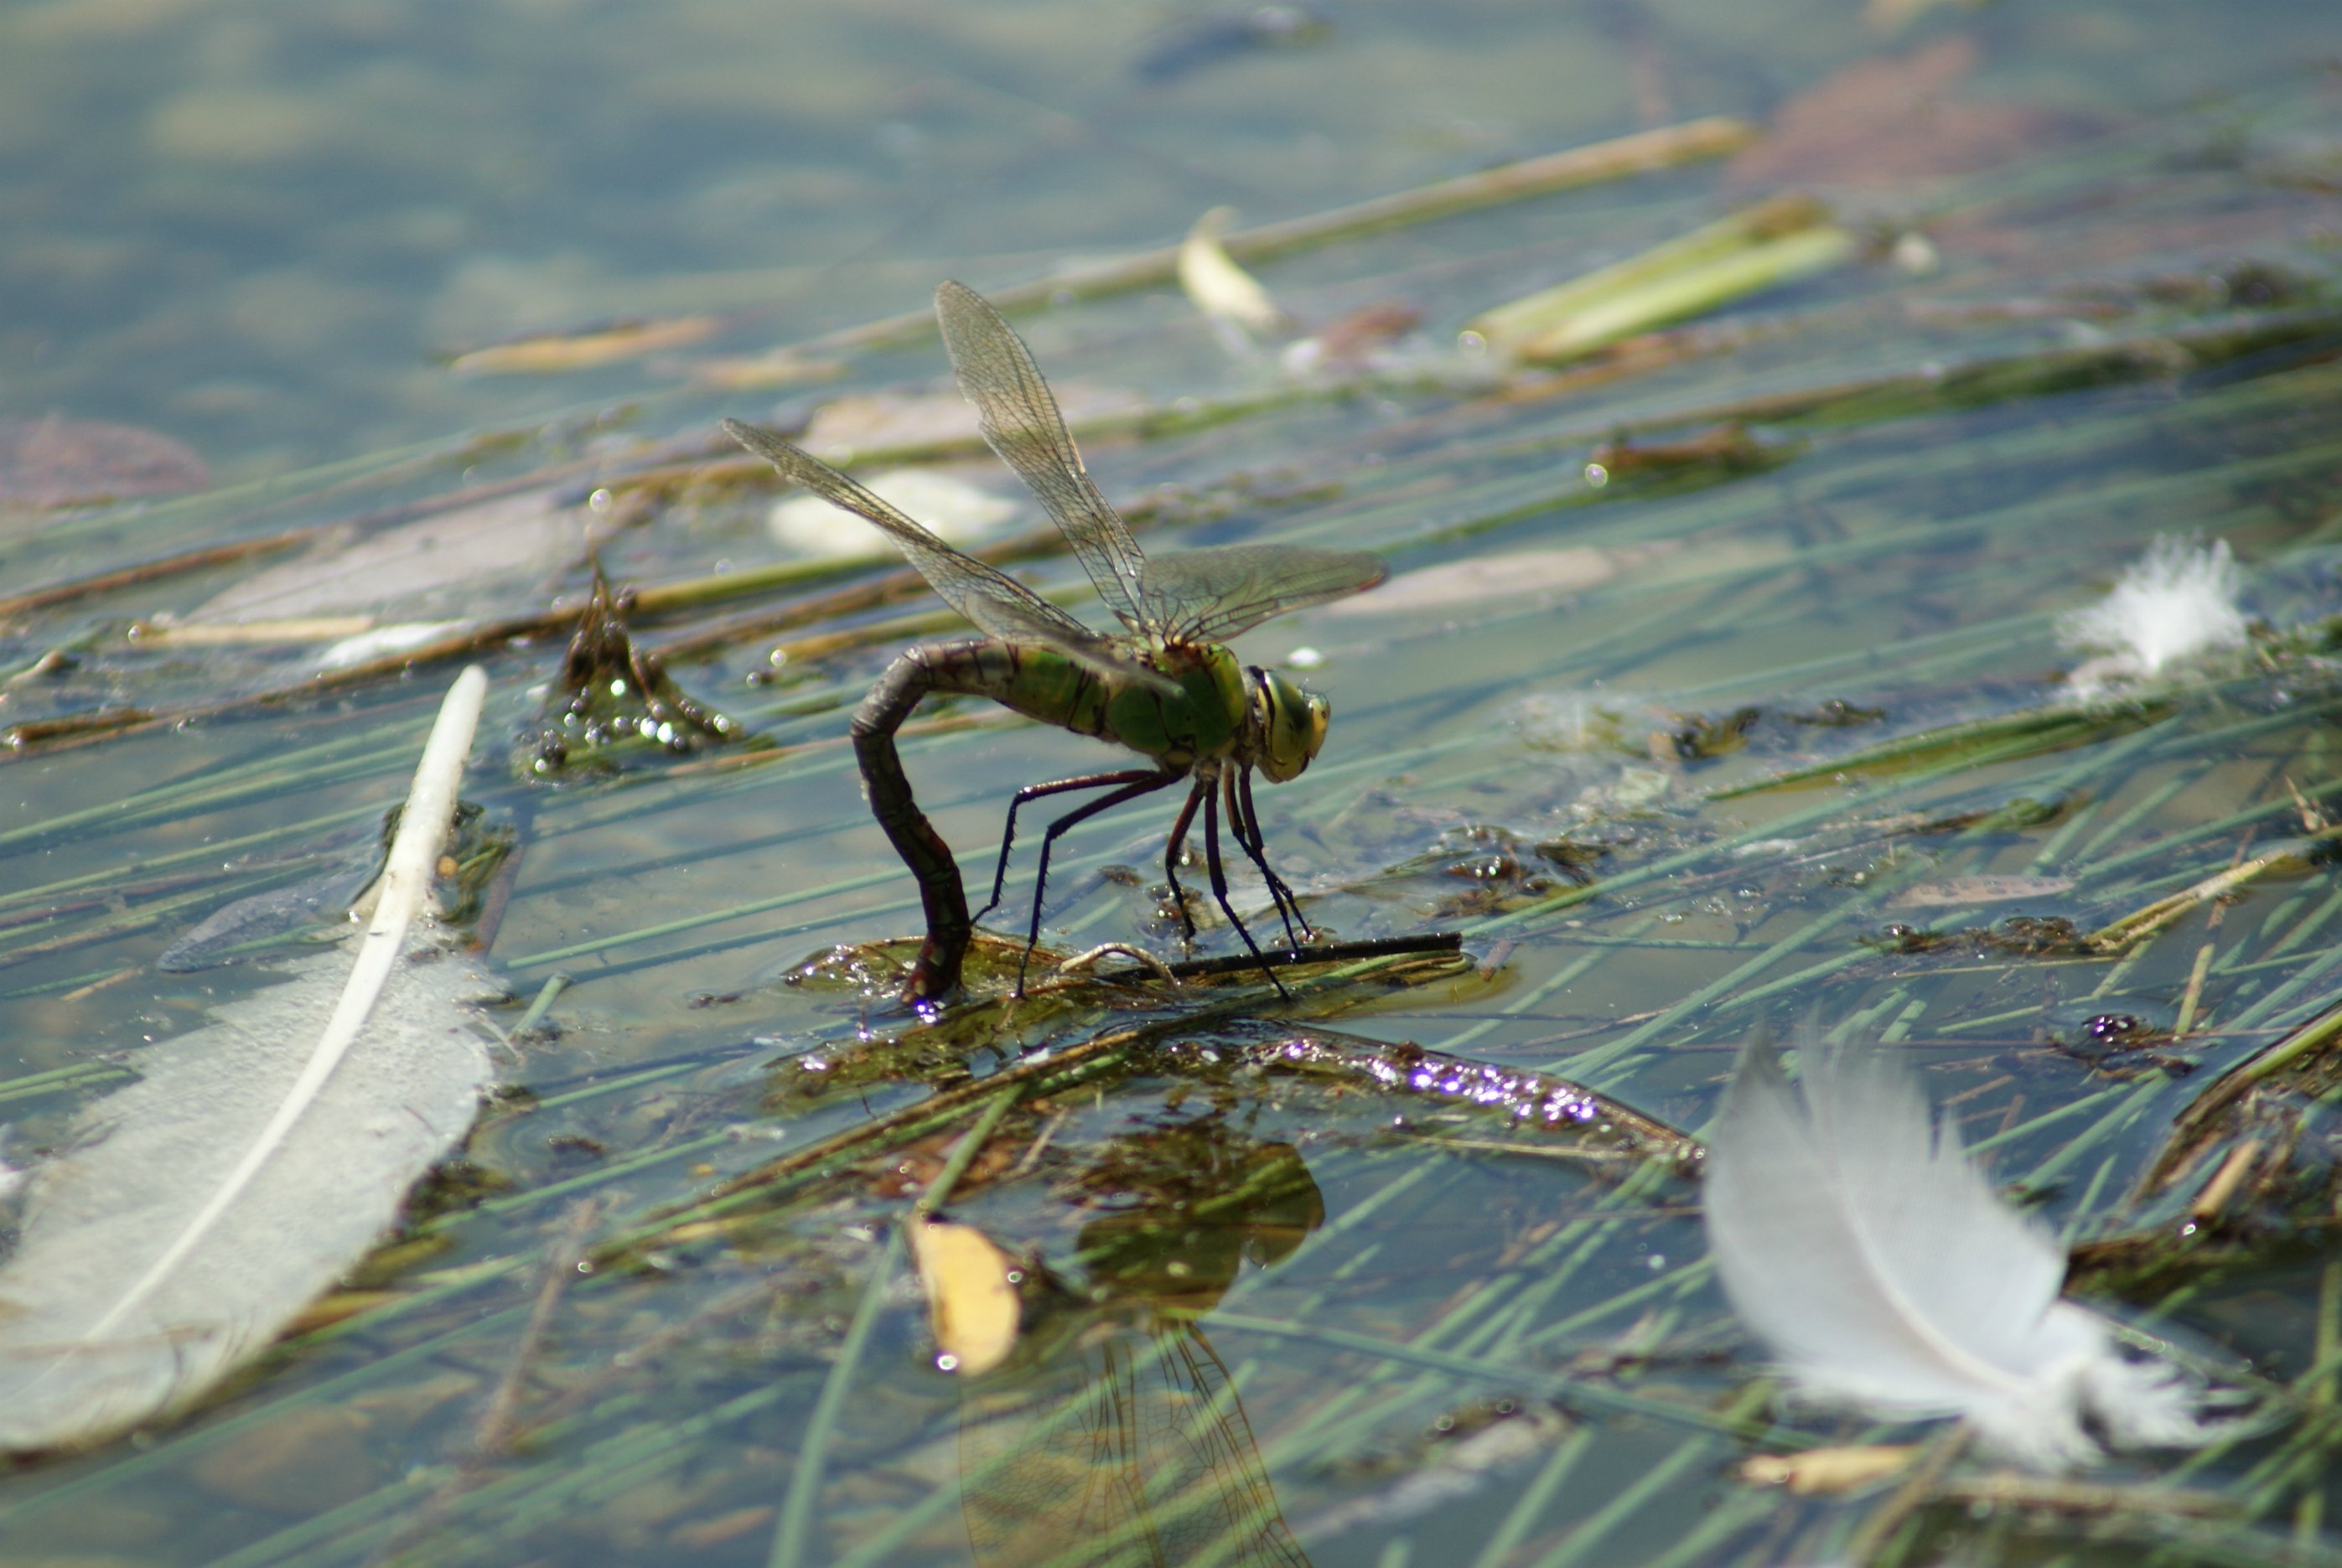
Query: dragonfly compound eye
(1293, 725)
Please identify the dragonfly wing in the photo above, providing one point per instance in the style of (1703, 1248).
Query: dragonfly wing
(1020, 421)
(998, 605)
(1138, 1455)
(1209, 595)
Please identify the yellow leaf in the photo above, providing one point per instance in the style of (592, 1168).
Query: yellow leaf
(1217, 285)
(1827, 1469)
(972, 1300)
(551, 353)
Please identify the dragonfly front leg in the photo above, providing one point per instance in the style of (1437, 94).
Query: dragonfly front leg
(1219, 876)
(1139, 782)
(1235, 784)
(1035, 791)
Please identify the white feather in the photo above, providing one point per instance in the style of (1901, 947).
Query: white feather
(193, 1214)
(1857, 1239)
(2176, 602)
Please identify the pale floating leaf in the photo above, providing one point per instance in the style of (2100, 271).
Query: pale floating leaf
(1513, 575)
(764, 372)
(1443, 1474)
(55, 461)
(1894, 15)
(469, 562)
(973, 1306)
(226, 936)
(193, 1215)
(1365, 339)
(1896, 126)
(1215, 284)
(167, 633)
(381, 641)
(957, 512)
(587, 348)
(1960, 891)
(850, 429)
(1854, 1235)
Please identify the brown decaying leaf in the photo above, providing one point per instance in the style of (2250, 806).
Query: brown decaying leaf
(1353, 340)
(1881, 124)
(56, 461)
(973, 1307)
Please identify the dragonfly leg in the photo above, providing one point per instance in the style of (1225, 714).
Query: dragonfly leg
(1171, 856)
(1035, 791)
(1137, 782)
(1244, 824)
(942, 894)
(1220, 885)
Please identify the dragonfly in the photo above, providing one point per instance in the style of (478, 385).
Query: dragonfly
(1166, 687)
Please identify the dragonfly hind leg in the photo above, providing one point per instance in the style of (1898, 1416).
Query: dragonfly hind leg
(1040, 790)
(1173, 850)
(1135, 782)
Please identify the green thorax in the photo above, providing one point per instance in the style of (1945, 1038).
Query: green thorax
(1202, 719)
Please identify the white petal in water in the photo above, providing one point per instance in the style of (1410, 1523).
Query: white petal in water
(192, 1215)
(1857, 1239)
(962, 513)
(2177, 602)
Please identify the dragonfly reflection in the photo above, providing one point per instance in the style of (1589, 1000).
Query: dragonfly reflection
(1116, 1438)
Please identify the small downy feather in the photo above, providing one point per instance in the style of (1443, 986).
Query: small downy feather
(2179, 600)
(189, 1217)
(1858, 1240)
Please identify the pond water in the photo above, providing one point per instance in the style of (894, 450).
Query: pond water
(1728, 681)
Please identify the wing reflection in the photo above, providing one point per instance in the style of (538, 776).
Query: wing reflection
(1115, 1438)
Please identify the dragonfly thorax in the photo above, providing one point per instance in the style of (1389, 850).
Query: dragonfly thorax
(1286, 724)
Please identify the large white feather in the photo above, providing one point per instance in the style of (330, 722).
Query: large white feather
(193, 1214)
(1854, 1235)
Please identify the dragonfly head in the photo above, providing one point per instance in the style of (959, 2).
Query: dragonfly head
(1289, 726)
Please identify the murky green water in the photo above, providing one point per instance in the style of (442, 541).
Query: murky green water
(1728, 742)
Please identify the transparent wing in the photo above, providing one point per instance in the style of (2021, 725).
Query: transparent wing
(999, 605)
(1137, 1455)
(1021, 423)
(1210, 595)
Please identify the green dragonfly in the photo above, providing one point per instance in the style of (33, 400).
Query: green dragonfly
(1166, 688)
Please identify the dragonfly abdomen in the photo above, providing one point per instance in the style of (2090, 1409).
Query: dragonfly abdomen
(1039, 683)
